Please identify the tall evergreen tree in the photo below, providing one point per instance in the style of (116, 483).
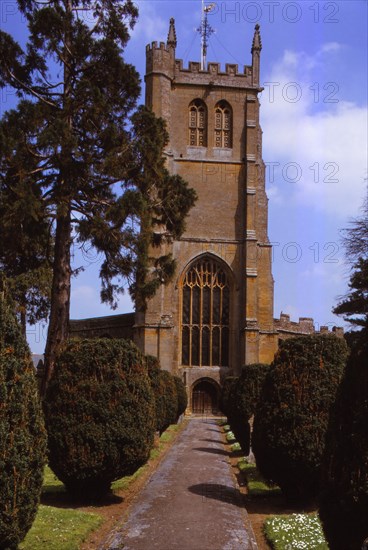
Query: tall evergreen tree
(99, 173)
(354, 305)
(25, 248)
(344, 497)
(355, 237)
(343, 500)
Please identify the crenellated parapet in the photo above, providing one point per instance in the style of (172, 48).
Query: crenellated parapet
(305, 326)
(162, 46)
(230, 77)
(160, 59)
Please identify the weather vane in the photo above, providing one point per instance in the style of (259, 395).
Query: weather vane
(205, 30)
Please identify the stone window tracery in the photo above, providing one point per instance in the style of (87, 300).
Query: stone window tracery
(197, 124)
(205, 315)
(223, 125)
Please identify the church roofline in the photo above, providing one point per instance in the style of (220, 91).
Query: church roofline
(194, 67)
(161, 59)
(305, 325)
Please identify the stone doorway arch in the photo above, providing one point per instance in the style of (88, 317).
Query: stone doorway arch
(205, 396)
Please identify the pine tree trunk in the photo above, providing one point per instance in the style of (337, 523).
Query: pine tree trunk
(61, 282)
(60, 297)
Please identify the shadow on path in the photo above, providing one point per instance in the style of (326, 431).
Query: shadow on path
(219, 492)
(211, 450)
(191, 502)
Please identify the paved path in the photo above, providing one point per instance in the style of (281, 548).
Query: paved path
(191, 502)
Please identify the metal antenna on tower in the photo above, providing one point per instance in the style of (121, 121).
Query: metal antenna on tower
(205, 30)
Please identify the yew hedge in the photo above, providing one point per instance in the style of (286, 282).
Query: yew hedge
(100, 414)
(22, 434)
(293, 413)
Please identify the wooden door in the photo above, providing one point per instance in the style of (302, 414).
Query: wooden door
(202, 402)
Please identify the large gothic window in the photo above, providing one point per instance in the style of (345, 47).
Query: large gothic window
(223, 125)
(205, 318)
(197, 123)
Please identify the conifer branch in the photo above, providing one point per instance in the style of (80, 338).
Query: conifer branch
(29, 89)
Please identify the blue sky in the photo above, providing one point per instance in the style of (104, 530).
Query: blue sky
(315, 126)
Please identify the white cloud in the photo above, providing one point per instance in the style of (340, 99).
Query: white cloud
(150, 26)
(306, 123)
(274, 194)
(324, 274)
(330, 47)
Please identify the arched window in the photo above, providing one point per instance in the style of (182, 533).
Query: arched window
(197, 123)
(223, 125)
(205, 318)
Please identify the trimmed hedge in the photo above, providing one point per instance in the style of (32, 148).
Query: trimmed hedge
(293, 413)
(171, 398)
(159, 388)
(181, 395)
(243, 397)
(99, 410)
(22, 434)
(344, 497)
(225, 391)
(166, 396)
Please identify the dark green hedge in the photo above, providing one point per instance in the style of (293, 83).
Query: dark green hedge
(225, 391)
(344, 496)
(171, 398)
(293, 413)
(242, 401)
(166, 398)
(22, 434)
(159, 387)
(181, 395)
(99, 410)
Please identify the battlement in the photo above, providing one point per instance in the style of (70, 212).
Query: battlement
(231, 69)
(160, 59)
(304, 326)
(157, 46)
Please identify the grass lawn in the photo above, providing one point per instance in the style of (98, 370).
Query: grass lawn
(51, 484)
(67, 528)
(59, 529)
(255, 483)
(230, 437)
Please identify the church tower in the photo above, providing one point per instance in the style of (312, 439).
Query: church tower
(217, 314)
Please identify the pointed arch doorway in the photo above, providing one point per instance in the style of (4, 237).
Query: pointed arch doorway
(205, 396)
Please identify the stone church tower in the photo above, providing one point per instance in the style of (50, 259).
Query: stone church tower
(217, 314)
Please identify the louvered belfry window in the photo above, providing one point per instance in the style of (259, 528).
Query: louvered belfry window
(205, 317)
(197, 124)
(223, 125)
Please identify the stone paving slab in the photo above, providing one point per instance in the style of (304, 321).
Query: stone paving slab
(191, 502)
